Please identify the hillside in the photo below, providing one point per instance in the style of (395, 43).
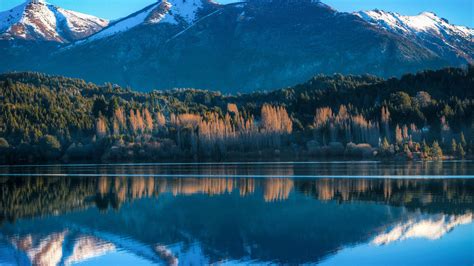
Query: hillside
(52, 117)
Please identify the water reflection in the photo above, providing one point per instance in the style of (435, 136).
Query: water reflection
(59, 248)
(444, 169)
(429, 228)
(106, 218)
(44, 195)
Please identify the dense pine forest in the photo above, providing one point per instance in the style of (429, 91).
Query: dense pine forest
(428, 115)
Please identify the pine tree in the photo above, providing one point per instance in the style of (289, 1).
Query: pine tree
(425, 150)
(460, 151)
(463, 140)
(436, 151)
(454, 147)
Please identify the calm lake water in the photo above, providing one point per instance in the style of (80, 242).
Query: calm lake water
(329, 213)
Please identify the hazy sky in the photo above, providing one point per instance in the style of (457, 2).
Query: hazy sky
(459, 12)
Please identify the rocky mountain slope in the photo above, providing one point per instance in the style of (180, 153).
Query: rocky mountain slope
(40, 21)
(429, 30)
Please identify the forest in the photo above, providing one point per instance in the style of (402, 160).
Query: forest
(422, 116)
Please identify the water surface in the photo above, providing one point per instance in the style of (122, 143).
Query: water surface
(330, 213)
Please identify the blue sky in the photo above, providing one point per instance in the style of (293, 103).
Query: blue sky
(459, 12)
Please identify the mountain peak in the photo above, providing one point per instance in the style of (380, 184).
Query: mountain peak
(426, 22)
(287, 1)
(428, 14)
(174, 12)
(35, 2)
(186, 9)
(39, 21)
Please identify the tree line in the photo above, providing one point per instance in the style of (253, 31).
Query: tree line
(428, 115)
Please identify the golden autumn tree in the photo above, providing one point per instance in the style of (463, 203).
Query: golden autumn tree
(119, 121)
(148, 120)
(275, 122)
(101, 127)
(160, 120)
(384, 121)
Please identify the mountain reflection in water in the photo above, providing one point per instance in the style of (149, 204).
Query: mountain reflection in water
(69, 219)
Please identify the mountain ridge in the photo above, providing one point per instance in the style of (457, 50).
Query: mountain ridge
(41, 21)
(167, 11)
(427, 29)
(241, 47)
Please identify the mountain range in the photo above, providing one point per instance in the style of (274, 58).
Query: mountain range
(255, 45)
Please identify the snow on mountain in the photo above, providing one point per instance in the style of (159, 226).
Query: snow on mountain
(12, 16)
(428, 30)
(38, 20)
(125, 24)
(258, 44)
(432, 228)
(424, 22)
(43, 251)
(166, 11)
(87, 247)
(60, 248)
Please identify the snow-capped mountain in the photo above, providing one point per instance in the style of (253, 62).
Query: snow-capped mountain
(258, 44)
(429, 228)
(426, 28)
(40, 21)
(425, 22)
(175, 12)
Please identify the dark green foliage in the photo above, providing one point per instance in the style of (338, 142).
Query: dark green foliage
(49, 147)
(49, 117)
(3, 143)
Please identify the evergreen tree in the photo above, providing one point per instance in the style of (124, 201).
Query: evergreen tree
(50, 148)
(99, 107)
(40, 113)
(426, 150)
(454, 147)
(463, 140)
(460, 151)
(436, 151)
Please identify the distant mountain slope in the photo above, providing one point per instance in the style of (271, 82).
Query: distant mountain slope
(246, 46)
(40, 21)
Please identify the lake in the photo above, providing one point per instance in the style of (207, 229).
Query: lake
(328, 213)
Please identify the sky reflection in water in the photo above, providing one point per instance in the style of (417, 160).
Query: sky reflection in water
(148, 214)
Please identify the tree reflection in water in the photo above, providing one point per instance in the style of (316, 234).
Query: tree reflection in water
(48, 220)
(43, 195)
